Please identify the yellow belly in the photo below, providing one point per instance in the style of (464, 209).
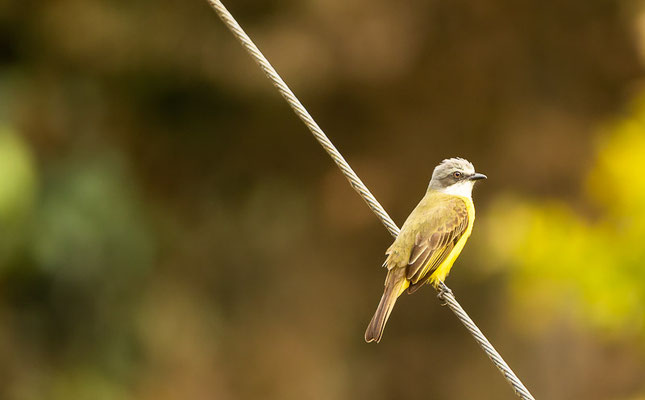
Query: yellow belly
(442, 271)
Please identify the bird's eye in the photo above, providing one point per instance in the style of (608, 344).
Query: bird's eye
(456, 174)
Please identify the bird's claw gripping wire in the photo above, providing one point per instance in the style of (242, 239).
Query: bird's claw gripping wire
(444, 291)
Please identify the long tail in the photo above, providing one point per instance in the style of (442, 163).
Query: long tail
(395, 284)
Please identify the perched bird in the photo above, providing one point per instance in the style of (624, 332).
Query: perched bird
(431, 238)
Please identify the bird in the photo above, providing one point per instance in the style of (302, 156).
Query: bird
(431, 238)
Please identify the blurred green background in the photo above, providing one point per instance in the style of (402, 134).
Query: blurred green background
(170, 230)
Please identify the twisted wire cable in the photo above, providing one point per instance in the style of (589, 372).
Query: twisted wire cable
(445, 293)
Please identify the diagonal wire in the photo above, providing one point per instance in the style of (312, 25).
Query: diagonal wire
(445, 293)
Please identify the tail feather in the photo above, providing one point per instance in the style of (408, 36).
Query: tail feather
(395, 284)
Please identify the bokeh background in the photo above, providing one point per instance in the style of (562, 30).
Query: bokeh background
(170, 230)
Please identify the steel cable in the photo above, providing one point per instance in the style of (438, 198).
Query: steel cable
(445, 293)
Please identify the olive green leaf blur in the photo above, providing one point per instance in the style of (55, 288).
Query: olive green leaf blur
(584, 261)
(170, 230)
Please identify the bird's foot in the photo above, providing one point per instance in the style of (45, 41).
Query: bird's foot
(444, 291)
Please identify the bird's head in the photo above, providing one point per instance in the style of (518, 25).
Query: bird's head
(455, 176)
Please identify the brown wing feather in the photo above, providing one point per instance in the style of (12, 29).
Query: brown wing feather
(414, 286)
(436, 239)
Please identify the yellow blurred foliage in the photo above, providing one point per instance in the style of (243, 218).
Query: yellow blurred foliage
(564, 262)
(17, 191)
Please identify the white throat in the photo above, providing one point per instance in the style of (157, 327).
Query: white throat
(463, 188)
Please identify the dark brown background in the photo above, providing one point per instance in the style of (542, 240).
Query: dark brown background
(178, 234)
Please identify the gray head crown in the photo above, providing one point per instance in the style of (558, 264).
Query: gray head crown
(451, 171)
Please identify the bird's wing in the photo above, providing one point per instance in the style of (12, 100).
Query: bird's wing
(436, 236)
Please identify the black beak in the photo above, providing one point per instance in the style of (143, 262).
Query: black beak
(477, 176)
